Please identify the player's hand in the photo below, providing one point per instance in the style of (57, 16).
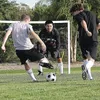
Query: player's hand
(89, 33)
(43, 47)
(3, 48)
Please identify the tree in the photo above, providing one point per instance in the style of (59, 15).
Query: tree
(10, 11)
(48, 9)
(61, 7)
(59, 10)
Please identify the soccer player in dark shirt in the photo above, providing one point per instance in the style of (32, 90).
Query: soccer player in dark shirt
(51, 38)
(88, 25)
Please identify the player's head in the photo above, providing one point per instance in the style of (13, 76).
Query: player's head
(25, 18)
(76, 8)
(49, 25)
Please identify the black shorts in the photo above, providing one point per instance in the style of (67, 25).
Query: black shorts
(89, 48)
(32, 55)
(54, 54)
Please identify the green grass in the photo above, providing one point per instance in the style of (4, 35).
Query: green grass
(17, 85)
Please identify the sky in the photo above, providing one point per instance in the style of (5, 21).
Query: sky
(30, 3)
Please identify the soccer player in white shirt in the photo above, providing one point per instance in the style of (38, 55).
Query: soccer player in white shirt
(24, 48)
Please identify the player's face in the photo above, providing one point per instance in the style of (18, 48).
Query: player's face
(27, 20)
(49, 27)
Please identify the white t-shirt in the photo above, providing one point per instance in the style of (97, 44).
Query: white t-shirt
(20, 35)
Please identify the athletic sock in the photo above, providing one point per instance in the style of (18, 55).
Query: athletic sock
(88, 66)
(89, 74)
(85, 62)
(40, 68)
(60, 65)
(30, 72)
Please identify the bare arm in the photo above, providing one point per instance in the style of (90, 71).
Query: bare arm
(84, 25)
(98, 26)
(40, 41)
(5, 40)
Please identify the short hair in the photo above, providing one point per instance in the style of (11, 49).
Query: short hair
(48, 22)
(76, 7)
(24, 16)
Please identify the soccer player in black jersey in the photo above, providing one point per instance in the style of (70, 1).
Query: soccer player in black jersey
(88, 25)
(51, 38)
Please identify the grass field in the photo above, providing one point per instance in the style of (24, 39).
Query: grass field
(16, 85)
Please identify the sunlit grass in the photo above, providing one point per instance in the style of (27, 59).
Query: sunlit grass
(17, 85)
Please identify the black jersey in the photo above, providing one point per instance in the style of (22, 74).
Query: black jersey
(91, 21)
(51, 39)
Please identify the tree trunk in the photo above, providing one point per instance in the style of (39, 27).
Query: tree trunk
(75, 48)
(73, 45)
(71, 48)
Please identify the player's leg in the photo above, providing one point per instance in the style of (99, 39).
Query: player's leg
(40, 68)
(59, 60)
(60, 64)
(85, 61)
(23, 59)
(41, 64)
(44, 62)
(84, 70)
(91, 59)
(89, 65)
(29, 70)
(33, 55)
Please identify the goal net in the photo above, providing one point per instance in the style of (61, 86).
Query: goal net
(62, 26)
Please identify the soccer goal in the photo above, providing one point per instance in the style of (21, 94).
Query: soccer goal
(63, 26)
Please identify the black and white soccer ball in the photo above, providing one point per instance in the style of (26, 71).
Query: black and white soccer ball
(51, 77)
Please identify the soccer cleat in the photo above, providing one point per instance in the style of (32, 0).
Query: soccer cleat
(40, 73)
(35, 80)
(47, 65)
(84, 72)
(91, 79)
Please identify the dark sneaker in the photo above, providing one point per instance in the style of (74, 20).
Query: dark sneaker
(84, 72)
(47, 65)
(40, 73)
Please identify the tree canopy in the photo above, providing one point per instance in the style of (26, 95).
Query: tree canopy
(43, 10)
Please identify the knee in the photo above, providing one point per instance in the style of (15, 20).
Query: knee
(44, 60)
(59, 60)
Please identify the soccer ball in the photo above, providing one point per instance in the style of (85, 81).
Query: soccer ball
(51, 77)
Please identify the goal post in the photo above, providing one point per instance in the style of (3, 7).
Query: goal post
(67, 22)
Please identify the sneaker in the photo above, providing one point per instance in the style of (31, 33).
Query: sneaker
(40, 73)
(47, 65)
(35, 81)
(84, 73)
(91, 79)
